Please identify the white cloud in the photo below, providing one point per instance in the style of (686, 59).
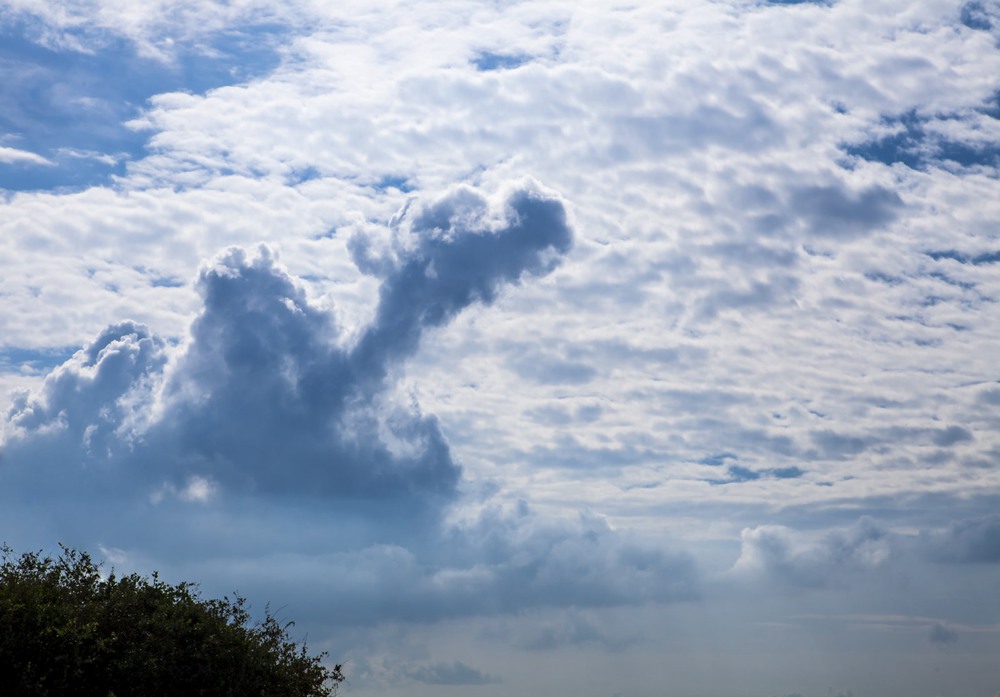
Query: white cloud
(780, 555)
(154, 27)
(196, 490)
(15, 156)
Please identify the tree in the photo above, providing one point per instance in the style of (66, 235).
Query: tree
(66, 630)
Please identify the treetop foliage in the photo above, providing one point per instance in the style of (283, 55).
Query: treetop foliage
(67, 630)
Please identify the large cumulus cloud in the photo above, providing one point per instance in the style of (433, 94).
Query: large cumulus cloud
(271, 443)
(268, 394)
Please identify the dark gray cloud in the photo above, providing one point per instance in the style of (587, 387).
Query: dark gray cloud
(267, 394)
(432, 268)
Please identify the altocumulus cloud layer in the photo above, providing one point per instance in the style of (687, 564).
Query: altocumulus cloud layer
(771, 345)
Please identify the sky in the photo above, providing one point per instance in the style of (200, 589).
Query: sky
(520, 348)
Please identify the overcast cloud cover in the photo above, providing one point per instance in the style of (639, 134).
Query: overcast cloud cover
(521, 348)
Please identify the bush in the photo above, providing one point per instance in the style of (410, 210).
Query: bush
(65, 630)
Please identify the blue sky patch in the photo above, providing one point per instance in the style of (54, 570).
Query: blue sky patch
(70, 107)
(739, 474)
(33, 360)
(974, 259)
(742, 474)
(717, 460)
(918, 147)
(974, 16)
(488, 61)
(166, 282)
(786, 473)
(394, 182)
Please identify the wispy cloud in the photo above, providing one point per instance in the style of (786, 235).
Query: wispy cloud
(15, 156)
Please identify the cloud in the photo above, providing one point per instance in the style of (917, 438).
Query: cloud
(968, 541)
(267, 394)
(947, 140)
(197, 488)
(430, 270)
(269, 413)
(552, 371)
(456, 673)
(527, 560)
(868, 557)
(265, 399)
(155, 28)
(836, 445)
(86, 407)
(97, 63)
(781, 555)
(15, 156)
(833, 211)
(975, 15)
(497, 563)
(814, 315)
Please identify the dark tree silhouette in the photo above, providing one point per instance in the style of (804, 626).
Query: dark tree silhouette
(66, 630)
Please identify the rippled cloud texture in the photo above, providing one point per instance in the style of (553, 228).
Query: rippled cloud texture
(521, 348)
